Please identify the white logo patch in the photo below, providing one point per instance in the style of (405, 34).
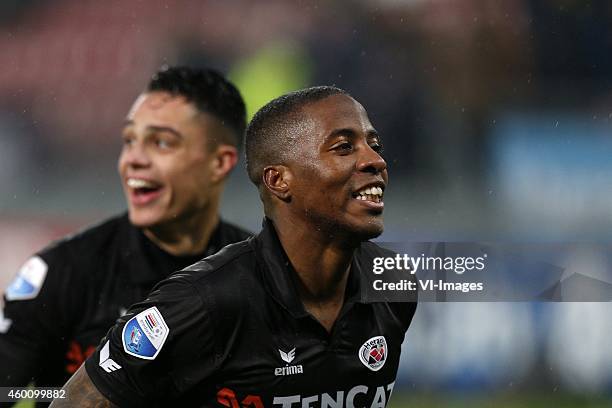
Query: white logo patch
(373, 353)
(287, 369)
(28, 281)
(287, 357)
(5, 324)
(107, 363)
(144, 334)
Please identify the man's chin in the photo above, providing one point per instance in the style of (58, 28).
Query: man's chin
(366, 231)
(370, 233)
(143, 219)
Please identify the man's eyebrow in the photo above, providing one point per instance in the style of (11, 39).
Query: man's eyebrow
(128, 122)
(154, 129)
(373, 133)
(165, 129)
(348, 132)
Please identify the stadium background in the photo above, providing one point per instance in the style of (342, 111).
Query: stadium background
(495, 117)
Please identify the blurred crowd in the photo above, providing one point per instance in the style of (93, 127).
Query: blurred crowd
(451, 85)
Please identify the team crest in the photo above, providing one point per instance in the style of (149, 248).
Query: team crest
(373, 353)
(144, 334)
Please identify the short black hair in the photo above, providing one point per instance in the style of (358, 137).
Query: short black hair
(270, 135)
(209, 91)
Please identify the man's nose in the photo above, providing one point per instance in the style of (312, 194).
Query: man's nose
(135, 155)
(371, 161)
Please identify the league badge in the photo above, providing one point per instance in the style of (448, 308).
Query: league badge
(373, 353)
(144, 334)
(28, 281)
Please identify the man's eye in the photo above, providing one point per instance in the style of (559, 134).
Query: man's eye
(128, 141)
(162, 144)
(378, 148)
(343, 147)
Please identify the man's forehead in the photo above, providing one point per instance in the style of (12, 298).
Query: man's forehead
(337, 111)
(156, 101)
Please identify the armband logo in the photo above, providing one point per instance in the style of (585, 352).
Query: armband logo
(145, 334)
(28, 281)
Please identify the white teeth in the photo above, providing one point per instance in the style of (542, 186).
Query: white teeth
(139, 183)
(370, 194)
(371, 191)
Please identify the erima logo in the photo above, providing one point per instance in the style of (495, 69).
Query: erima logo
(288, 370)
(107, 363)
(287, 357)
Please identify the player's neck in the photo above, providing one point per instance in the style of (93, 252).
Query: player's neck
(188, 236)
(322, 264)
(322, 267)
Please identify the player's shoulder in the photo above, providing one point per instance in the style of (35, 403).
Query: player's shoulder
(52, 271)
(217, 289)
(93, 239)
(224, 282)
(237, 259)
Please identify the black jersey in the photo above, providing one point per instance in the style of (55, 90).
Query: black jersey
(65, 298)
(232, 331)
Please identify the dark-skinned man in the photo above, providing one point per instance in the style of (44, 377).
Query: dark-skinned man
(282, 319)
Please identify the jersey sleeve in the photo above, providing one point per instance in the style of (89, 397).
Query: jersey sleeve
(161, 347)
(31, 322)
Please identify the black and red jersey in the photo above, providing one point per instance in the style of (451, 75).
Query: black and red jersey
(64, 299)
(231, 331)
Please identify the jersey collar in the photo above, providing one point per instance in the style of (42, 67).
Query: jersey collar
(280, 277)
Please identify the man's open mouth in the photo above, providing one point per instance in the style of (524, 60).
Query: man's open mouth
(142, 188)
(373, 194)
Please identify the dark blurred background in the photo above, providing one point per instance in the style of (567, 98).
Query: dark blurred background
(495, 115)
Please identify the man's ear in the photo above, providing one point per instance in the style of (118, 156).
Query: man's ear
(277, 180)
(224, 160)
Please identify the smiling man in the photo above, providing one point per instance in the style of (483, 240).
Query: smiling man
(280, 320)
(179, 145)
